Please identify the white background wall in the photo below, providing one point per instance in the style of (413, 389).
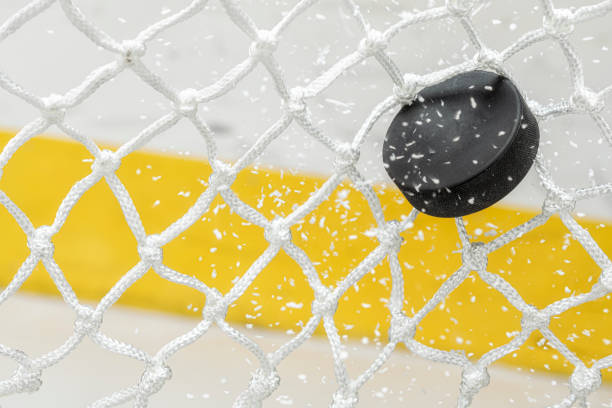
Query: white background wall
(50, 56)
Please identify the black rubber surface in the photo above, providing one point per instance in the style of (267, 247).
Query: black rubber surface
(462, 145)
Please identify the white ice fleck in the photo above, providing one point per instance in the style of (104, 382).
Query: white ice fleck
(294, 305)
(284, 400)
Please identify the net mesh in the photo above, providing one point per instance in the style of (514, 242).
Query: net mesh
(557, 24)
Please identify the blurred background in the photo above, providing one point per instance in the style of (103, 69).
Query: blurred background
(95, 247)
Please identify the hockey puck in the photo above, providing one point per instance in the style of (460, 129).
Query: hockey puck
(462, 144)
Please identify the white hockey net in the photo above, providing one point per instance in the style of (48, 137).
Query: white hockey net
(557, 25)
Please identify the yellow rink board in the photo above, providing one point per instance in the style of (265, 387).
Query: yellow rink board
(95, 248)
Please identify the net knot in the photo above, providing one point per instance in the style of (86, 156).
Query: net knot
(150, 251)
(473, 379)
(265, 45)
(344, 399)
(475, 256)
(87, 321)
(222, 177)
(40, 242)
(389, 236)
(558, 200)
(132, 50)
(346, 157)
(187, 104)
(296, 105)
(560, 23)
(154, 378)
(488, 58)
(54, 108)
(606, 278)
(585, 100)
(402, 328)
(534, 319)
(461, 8)
(263, 384)
(373, 42)
(277, 233)
(584, 381)
(406, 93)
(324, 304)
(215, 308)
(107, 163)
(27, 379)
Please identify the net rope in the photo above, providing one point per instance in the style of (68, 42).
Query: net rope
(557, 24)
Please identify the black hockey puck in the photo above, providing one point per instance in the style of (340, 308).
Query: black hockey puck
(461, 145)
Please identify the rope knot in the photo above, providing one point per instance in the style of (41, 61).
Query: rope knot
(296, 104)
(87, 322)
(346, 157)
(606, 278)
(488, 58)
(584, 381)
(27, 379)
(473, 379)
(344, 399)
(215, 308)
(324, 304)
(585, 100)
(132, 50)
(150, 251)
(222, 176)
(389, 236)
(560, 23)
(558, 200)
(54, 108)
(263, 384)
(374, 42)
(534, 319)
(154, 378)
(107, 163)
(461, 8)
(40, 242)
(402, 328)
(187, 104)
(475, 256)
(265, 45)
(406, 93)
(277, 233)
